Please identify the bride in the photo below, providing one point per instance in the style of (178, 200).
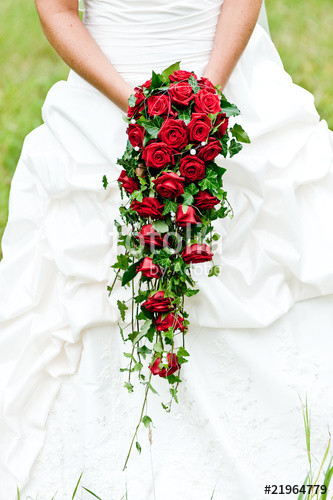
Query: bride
(261, 333)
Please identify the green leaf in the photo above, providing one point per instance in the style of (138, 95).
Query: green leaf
(194, 84)
(105, 182)
(131, 100)
(239, 133)
(130, 273)
(77, 485)
(234, 148)
(128, 386)
(224, 144)
(137, 367)
(138, 447)
(92, 493)
(182, 352)
(209, 182)
(185, 115)
(143, 330)
(191, 189)
(187, 198)
(146, 421)
(229, 109)
(151, 388)
(156, 81)
(157, 347)
(122, 308)
(189, 292)
(216, 236)
(160, 226)
(170, 206)
(129, 165)
(18, 494)
(170, 69)
(122, 262)
(152, 129)
(137, 195)
(214, 271)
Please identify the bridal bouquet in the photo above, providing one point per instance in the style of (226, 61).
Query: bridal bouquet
(172, 192)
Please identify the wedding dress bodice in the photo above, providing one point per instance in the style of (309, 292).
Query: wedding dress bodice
(140, 35)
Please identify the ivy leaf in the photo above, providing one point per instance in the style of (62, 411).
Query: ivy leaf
(157, 347)
(214, 271)
(128, 386)
(147, 324)
(224, 144)
(169, 70)
(216, 236)
(137, 195)
(122, 308)
(160, 226)
(152, 129)
(191, 188)
(137, 367)
(146, 421)
(209, 182)
(129, 165)
(162, 258)
(188, 198)
(234, 147)
(138, 447)
(156, 81)
(239, 133)
(130, 273)
(229, 109)
(182, 352)
(194, 84)
(169, 206)
(185, 115)
(105, 182)
(122, 262)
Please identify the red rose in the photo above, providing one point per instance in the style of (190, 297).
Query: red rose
(199, 127)
(189, 217)
(147, 84)
(211, 150)
(207, 102)
(136, 134)
(174, 134)
(204, 200)
(149, 269)
(150, 237)
(223, 121)
(192, 168)
(205, 83)
(181, 93)
(158, 303)
(158, 155)
(197, 253)
(139, 105)
(173, 366)
(180, 75)
(170, 320)
(169, 185)
(148, 207)
(159, 105)
(128, 183)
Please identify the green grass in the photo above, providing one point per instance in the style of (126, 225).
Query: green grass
(301, 30)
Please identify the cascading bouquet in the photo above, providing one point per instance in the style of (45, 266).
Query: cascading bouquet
(177, 126)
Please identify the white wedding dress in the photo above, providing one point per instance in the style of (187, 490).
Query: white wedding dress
(261, 335)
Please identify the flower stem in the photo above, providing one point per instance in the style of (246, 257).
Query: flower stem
(140, 420)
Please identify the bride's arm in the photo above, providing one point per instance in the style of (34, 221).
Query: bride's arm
(65, 31)
(235, 26)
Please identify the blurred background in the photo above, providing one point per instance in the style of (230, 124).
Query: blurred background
(300, 29)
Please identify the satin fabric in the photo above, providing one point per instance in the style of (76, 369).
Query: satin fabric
(56, 319)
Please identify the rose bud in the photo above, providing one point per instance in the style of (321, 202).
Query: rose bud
(223, 121)
(207, 102)
(170, 320)
(128, 183)
(158, 303)
(174, 134)
(189, 217)
(148, 207)
(149, 269)
(136, 134)
(158, 155)
(169, 184)
(204, 200)
(173, 366)
(150, 237)
(199, 127)
(180, 75)
(211, 150)
(181, 94)
(192, 168)
(139, 105)
(159, 105)
(197, 253)
(205, 83)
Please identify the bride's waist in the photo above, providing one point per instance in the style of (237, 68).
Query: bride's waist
(135, 54)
